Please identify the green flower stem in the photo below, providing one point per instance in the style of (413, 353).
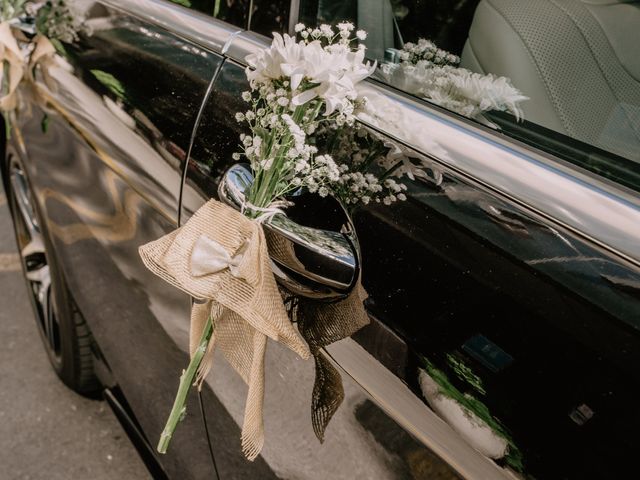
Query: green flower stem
(265, 186)
(179, 409)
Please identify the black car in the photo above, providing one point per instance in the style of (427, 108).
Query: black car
(503, 294)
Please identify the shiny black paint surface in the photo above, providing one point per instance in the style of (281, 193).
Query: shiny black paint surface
(538, 294)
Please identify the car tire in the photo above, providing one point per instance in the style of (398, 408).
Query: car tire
(64, 332)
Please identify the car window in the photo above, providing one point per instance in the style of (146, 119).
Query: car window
(235, 12)
(261, 16)
(268, 16)
(563, 76)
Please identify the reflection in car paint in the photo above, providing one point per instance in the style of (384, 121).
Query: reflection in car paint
(120, 226)
(469, 416)
(117, 122)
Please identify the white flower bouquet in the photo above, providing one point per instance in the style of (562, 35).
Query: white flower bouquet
(298, 86)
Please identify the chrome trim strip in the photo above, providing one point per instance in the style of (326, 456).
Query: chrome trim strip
(564, 194)
(411, 413)
(245, 43)
(194, 26)
(294, 14)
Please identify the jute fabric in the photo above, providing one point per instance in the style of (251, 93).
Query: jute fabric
(246, 308)
(10, 77)
(321, 323)
(44, 55)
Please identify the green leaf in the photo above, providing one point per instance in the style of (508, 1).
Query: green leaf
(112, 83)
(44, 124)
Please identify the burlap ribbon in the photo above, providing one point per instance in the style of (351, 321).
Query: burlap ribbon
(321, 323)
(11, 68)
(43, 55)
(243, 301)
(220, 257)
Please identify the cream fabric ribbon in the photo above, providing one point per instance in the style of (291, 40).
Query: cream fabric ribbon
(209, 256)
(237, 289)
(11, 55)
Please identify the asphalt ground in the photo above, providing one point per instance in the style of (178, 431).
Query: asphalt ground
(46, 430)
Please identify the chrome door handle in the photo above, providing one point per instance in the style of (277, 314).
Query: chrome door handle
(26, 24)
(308, 261)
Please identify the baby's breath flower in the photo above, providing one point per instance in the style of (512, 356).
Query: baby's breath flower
(326, 30)
(345, 26)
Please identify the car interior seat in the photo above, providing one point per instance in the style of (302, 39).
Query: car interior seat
(376, 18)
(577, 61)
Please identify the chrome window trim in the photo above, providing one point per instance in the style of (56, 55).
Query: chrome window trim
(194, 26)
(567, 195)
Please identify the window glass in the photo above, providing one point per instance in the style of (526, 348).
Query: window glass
(261, 16)
(268, 16)
(561, 75)
(235, 12)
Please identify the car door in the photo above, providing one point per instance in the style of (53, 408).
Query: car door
(503, 335)
(105, 137)
(363, 441)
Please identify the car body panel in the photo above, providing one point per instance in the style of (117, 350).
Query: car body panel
(105, 142)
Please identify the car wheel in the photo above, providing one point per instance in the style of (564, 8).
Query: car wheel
(64, 332)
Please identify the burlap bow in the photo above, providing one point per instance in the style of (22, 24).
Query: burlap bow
(44, 55)
(238, 290)
(11, 56)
